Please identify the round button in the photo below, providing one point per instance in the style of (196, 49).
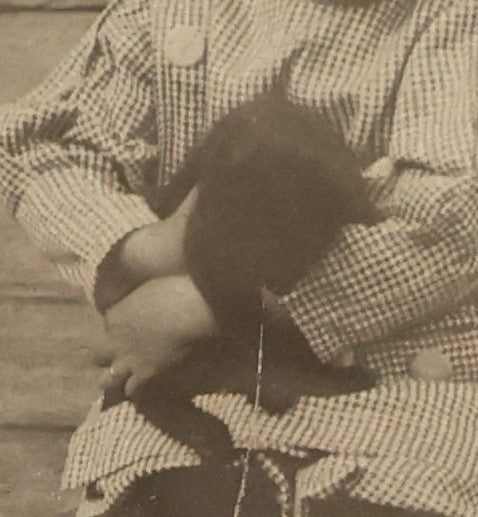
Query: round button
(431, 365)
(184, 45)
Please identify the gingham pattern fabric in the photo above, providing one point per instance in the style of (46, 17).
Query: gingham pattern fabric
(398, 78)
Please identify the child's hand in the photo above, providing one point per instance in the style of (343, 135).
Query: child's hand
(133, 366)
(153, 327)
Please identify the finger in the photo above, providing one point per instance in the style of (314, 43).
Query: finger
(123, 367)
(106, 381)
(140, 377)
(118, 372)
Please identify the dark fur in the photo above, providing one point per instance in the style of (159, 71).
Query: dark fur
(276, 184)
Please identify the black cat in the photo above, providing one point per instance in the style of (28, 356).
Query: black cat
(275, 185)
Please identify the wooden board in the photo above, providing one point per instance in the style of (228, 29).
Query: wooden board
(30, 471)
(47, 332)
(32, 43)
(47, 373)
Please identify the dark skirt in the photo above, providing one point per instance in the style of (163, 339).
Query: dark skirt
(211, 489)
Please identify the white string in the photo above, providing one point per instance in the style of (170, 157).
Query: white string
(246, 457)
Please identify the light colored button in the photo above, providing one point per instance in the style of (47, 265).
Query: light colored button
(184, 45)
(431, 365)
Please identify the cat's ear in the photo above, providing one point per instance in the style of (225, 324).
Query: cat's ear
(231, 140)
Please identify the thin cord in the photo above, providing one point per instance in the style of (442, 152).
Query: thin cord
(246, 457)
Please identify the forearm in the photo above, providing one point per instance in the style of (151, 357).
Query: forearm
(153, 251)
(192, 316)
(168, 308)
(142, 255)
(382, 279)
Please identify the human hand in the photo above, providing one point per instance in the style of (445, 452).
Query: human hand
(152, 328)
(132, 368)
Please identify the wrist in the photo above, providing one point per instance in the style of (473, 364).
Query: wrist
(132, 261)
(113, 282)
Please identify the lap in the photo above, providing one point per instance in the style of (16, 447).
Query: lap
(212, 488)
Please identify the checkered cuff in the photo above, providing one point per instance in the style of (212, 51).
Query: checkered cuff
(76, 223)
(381, 279)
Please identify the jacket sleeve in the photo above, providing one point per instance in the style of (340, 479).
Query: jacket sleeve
(422, 258)
(378, 280)
(74, 152)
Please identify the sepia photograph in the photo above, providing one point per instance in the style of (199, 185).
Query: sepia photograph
(239, 258)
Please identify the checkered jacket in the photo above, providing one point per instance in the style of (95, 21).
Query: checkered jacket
(397, 78)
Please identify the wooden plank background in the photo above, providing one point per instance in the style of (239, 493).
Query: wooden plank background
(51, 5)
(47, 331)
